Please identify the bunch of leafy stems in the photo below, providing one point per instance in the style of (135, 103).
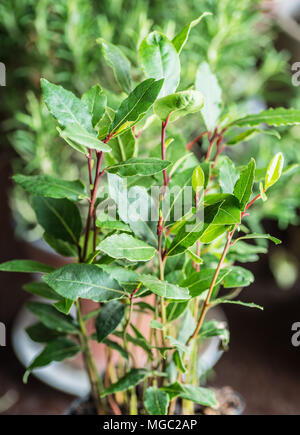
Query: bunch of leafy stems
(95, 380)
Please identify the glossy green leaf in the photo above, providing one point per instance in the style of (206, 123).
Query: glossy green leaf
(164, 288)
(198, 179)
(85, 281)
(276, 117)
(207, 83)
(53, 319)
(118, 62)
(45, 185)
(56, 350)
(95, 101)
(160, 60)
(79, 135)
(174, 106)
(59, 217)
(228, 175)
(131, 379)
(40, 288)
(134, 166)
(136, 105)
(156, 401)
(64, 305)
(181, 38)
(198, 282)
(243, 186)
(112, 225)
(127, 278)
(81, 149)
(126, 246)
(25, 266)
(109, 319)
(123, 146)
(274, 170)
(238, 277)
(229, 211)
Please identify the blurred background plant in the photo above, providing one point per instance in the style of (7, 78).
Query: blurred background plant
(237, 40)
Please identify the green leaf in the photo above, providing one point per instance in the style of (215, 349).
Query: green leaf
(203, 396)
(53, 319)
(64, 305)
(198, 282)
(176, 105)
(128, 279)
(259, 236)
(156, 401)
(248, 134)
(59, 217)
(123, 146)
(63, 248)
(238, 277)
(228, 175)
(156, 325)
(57, 350)
(207, 83)
(85, 281)
(160, 60)
(134, 166)
(135, 106)
(274, 170)
(65, 107)
(243, 186)
(175, 309)
(198, 179)
(164, 288)
(109, 319)
(75, 146)
(229, 211)
(244, 304)
(41, 334)
(25, 266)
(126, 246)
(275, 117)
(213, 328)
(45, 185)
(40, 288)
(131, 379)
(119, 63)
(181, 38)
(113, 225)
(115, 346)
(83, 137)
(95, 101)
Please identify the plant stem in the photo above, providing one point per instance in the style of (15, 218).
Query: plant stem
(194, 141)
(95, 381)
(163, 148)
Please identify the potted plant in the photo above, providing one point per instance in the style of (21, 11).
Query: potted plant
(161, 234)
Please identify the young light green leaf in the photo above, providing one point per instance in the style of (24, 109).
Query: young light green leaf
(238, 277)
(275, 117)
(117, 60)
(155, 324)
(129, 380)
(95, 101)
(156, 401)
(66, 107)
(248, 134)
(164, 288)
(135, 106)
(262, 192)
(85, 281)
(83, 137)
(112, 225)
(198, 179)
(243, 187)
(56, 350)
(51, 187)
(274, 170)
(53, 319)
(160, 60)
(25, 266)
(207, 83)
(174, 106)
(134, 166)
(59, 217)
(259, 236)
(109, 319)
(228, 175)
(126, 246)
(181, 38)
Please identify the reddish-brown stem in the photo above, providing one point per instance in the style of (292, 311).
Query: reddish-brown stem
(211, 139)
(194, 141)
(89, 157)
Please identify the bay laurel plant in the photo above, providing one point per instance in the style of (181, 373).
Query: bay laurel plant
(150, 235)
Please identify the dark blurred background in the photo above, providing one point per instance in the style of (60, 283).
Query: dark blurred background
(57, 40)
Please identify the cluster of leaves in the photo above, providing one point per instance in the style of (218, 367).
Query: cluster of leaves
(184, 266)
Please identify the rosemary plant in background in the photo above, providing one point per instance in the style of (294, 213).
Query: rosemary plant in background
(159, 234)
